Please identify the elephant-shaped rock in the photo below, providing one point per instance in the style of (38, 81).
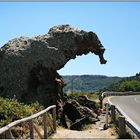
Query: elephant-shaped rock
(28, 66)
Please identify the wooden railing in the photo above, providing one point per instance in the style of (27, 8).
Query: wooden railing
(114, 93)
(47, 121)
(123, 120)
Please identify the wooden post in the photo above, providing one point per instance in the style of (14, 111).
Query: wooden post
(113, 114)
(122, 127)
(101, 100)
(31, 127)
(45, 126)
(54, 119)
(101, 103)
(106, 116)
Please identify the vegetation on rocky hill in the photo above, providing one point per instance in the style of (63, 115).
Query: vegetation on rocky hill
(88, 83)
(128, 84)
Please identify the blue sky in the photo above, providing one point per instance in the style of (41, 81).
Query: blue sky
(117, 25)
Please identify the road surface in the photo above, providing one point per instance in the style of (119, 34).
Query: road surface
(130, 105)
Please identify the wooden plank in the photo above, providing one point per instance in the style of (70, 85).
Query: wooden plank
(49, 122)
(31, 127)
(113, 113)
(122, 126)
(54, 119)
(38, 132)
(45, 126)
(7, 127)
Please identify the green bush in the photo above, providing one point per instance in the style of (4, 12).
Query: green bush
(11, 110)
(132, 85)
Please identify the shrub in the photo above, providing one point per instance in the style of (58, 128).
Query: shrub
(11, 110)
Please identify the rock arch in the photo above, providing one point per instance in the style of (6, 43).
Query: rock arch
(28, 66)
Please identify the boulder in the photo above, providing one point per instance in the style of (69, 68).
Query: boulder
(78, 112)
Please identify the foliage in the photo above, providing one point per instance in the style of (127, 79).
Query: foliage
(11, 110)
(128, 84)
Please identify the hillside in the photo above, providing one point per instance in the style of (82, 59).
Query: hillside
(131, 83)
(88, 83)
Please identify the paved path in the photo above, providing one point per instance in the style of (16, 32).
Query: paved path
(130, 105)
(94, 131)
(91, 133)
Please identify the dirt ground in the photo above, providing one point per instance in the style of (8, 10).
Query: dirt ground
(94, 131)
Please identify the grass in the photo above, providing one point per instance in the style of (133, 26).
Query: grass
(92, 96)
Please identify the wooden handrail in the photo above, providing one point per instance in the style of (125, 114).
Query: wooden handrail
(29, 119)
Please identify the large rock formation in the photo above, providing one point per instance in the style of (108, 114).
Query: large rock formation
(77, 111)
(28, 66)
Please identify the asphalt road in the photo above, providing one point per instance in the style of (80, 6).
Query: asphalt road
(130, 105)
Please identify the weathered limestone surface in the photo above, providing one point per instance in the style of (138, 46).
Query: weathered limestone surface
(77, 111)
(28, 66)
